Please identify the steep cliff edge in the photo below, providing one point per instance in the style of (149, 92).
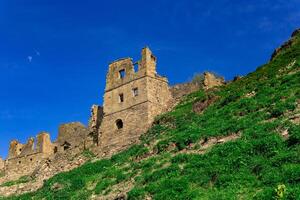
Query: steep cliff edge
(244, 143)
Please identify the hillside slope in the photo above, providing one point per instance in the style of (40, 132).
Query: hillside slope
(240, 141)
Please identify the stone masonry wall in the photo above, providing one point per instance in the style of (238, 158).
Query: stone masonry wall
(211, 80)
(71, 136)
(15, 149)
(132, 99)
(24, 158)
(183, 89)
(96, 117)
(135, 121)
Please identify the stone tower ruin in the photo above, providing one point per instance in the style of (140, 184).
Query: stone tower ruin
(131, 101)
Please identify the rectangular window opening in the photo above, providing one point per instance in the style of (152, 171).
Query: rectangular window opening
(121, 98)
(135, 92)
(122, 73)
(136, 67)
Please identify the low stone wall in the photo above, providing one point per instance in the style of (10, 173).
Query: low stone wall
(47, 168)
(183, 89)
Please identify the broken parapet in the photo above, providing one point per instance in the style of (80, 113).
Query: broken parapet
(28, 148)
(43, 145)
(211, 80)
(15, 149)
(95, 121)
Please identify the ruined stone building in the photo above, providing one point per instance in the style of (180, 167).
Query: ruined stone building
(134, 95)
(131, 101)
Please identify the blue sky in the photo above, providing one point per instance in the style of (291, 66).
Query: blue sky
(54, 54)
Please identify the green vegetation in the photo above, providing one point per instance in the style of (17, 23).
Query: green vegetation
(23, 179)
(88, 154)
(259, 165)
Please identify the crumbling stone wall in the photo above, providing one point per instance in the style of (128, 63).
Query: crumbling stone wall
(95, 121)
(44, 144)
(24, 158)
(211, 80)
(71, 136)
(28, 148)
(131, 101)
(183, 89)
(96, 117)
(15, 149)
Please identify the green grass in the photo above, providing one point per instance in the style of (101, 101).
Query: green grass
(88, 154)
(257, 166)
(23, 179)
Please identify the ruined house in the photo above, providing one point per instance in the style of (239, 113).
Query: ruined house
(24, 158)
(134, 95)
(131, 101)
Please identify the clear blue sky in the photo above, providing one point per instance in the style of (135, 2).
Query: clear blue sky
(54, 54)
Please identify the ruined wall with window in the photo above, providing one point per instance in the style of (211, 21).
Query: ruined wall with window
(71, 137)
(24, 158)
(131, 101)
(134, 95)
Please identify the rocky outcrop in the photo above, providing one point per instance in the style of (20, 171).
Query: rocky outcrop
(286, 45)
(199, 106)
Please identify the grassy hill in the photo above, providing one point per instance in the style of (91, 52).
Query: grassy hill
(244, 145)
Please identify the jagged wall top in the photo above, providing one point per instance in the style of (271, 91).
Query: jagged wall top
(146, 67)
(43, 145)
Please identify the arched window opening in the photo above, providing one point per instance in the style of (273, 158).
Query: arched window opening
(119, 124)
